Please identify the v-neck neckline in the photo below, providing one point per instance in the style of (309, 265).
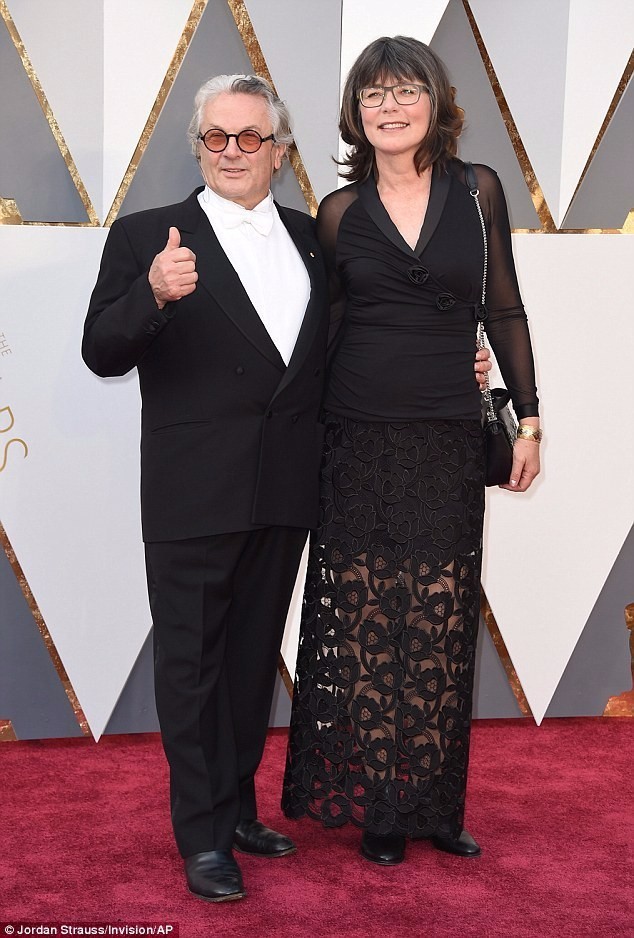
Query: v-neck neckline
(371, 200)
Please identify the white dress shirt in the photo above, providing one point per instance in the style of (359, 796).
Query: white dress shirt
(267, 262)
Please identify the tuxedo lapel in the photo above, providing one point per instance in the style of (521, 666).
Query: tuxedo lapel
(218, 277)
(316, 307)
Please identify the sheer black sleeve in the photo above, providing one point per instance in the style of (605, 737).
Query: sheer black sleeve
(507, 325)
(331, 211)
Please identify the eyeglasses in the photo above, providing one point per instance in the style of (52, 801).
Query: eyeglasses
(249, 141)
(404, 93)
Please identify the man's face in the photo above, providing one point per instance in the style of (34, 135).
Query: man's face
(244, 178)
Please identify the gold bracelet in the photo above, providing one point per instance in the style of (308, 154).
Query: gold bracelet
(526, 432)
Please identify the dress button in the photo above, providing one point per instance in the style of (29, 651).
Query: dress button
(269, 414)
(444, 301)
(295, 418)
(418, 274)
(239, 370)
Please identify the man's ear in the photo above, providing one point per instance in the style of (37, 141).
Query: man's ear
(281, 153)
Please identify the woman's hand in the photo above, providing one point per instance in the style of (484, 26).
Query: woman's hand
(482, 365)
(525, 461)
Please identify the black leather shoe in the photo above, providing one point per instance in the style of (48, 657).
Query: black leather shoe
(214, 876)
(260, 841)
(386, 849)
(464, 846)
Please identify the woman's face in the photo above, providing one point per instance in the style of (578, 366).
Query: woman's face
(394, 129)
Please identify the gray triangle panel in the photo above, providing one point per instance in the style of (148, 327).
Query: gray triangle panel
(167, 171)
(493, 696)
(135, 711)
(32, 169)
(31, 693)
(600, 665)
(303, 56)
(281, 706)
(485, 138)
(606, 195)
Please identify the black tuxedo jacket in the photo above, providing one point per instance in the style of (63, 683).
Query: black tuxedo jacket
(230, 436)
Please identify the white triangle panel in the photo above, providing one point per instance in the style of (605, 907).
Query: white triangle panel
(140, 40)
(363, 21)
(603, 38)
(290, 640)
(66, 52)
(70, 506)
(527, 43)
(549, 551)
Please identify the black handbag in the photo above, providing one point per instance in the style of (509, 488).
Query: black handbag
(498, 422)
(500, 432)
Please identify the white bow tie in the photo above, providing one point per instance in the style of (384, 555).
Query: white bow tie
(262, 222)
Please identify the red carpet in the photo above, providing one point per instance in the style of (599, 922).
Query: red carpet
(86, 838)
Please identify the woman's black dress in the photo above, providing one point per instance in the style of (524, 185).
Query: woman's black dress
(383, 690)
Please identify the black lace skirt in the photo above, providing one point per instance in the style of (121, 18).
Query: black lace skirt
(382, 705)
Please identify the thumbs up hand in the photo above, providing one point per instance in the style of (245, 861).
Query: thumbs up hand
(173, 272)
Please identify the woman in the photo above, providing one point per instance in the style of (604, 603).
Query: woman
(382, 706)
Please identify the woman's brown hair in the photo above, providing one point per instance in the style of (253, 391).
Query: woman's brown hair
(403, 59)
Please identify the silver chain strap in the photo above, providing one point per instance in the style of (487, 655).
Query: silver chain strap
(474, 193)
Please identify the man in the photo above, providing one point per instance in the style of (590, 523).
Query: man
(220, 302)
(230, 450)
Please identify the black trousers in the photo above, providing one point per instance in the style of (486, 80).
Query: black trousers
(219, 606)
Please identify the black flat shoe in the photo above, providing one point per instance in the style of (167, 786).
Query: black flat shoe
(464, 846)
(254, 838)
(214, 876)
(386, 849)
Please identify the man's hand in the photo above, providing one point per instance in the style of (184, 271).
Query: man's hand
(173, 271)
(482, 365)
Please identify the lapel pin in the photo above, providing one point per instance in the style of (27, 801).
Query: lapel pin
(311, 254)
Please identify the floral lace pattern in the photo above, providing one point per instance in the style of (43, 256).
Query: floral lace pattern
(382, 704)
